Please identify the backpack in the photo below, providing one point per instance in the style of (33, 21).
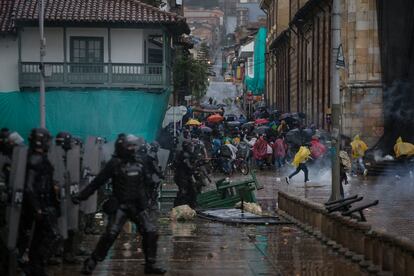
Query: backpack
(225, 151)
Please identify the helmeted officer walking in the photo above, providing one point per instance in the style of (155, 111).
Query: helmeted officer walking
(128, 202)
(154, 174)
(41, 199)
(184, 169)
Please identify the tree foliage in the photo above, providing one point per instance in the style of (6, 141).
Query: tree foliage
(203, 52)
(192, 74)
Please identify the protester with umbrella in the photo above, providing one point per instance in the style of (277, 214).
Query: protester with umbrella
(215, 118)
(193, 122)
(261, 121)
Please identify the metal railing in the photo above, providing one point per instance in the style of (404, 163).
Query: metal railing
(59, 74)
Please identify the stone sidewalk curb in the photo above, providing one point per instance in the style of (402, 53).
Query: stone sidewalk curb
(376, 251)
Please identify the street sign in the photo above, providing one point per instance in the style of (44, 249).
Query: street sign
(249, 97)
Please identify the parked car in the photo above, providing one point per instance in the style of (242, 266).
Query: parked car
(212, 73)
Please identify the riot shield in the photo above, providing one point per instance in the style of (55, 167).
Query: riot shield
(4, 192)
(17, 182)
(57, 158)
(4, 160)
(163, 156)
(72, 185)
(90, 168)
(107, 151)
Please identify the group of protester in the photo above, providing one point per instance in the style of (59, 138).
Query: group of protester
(265, 141)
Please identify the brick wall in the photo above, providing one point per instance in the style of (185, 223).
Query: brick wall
(362, 103)
(303, 74)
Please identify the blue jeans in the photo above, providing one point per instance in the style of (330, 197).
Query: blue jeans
(226, 164)
(301, 167)
(358, 165)
(279, 161)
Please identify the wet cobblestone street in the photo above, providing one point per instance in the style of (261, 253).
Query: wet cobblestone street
(202, 247)
(206, 248)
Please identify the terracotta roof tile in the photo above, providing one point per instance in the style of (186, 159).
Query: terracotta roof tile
(84, 11)
(6, 11)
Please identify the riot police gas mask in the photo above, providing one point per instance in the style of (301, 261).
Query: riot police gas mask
(39, 140)
(64, 140)
(154, 147)
(126, 147)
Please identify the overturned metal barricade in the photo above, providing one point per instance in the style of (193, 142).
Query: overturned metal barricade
(226, 194)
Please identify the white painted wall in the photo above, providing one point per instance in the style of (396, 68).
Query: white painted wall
(9, 77)
(127, 45)
(31, 44)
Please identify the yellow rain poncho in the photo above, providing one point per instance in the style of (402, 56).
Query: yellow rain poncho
(302, 156)
(358, 147)
(403, 148)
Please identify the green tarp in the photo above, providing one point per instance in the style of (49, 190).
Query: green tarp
(104, 113)
(256, 84)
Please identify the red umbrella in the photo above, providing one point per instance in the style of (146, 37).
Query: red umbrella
(261, 121)
(216, 118)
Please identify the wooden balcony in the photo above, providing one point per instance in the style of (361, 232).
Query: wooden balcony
(102, 75)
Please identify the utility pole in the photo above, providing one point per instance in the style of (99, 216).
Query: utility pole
(42, 96)
(335, 98)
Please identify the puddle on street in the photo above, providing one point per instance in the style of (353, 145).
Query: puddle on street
(202, 247)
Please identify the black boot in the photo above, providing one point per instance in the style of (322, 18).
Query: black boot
(149, 242)
(150, 268)
(88, 266)
(34, 270)
(69, 258)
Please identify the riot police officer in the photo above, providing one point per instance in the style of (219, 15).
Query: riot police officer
(41, 200)
(65, 141)
(183, 177)
(128, 202)
(154, 174)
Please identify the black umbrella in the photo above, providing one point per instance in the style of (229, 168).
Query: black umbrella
(294, 137)
(261, 130)
(248, 125)
(209, 106)
(206, 129)
(285, 115)
(307, 134)
(275, 114)
(230, 117)
(234, 124)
